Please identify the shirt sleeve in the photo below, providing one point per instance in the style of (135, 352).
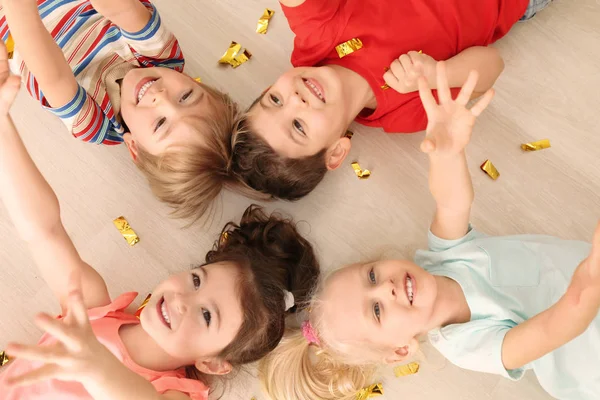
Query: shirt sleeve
(86, 120)
(437, 244)
(477, 346)
(154, 45)
(316, 26)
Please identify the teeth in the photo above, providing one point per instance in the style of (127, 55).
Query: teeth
(315, 89)
(409, 289)
(144, 89)
(163, 309)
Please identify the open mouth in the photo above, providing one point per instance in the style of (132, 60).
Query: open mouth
(315, 88)
(163, 313)
(409, 287)
(142, 87)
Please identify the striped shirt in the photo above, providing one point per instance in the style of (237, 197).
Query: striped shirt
(100, 55)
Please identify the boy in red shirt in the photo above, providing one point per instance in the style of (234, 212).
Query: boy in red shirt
(295, 131)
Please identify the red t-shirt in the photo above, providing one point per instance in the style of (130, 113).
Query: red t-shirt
(388, 29)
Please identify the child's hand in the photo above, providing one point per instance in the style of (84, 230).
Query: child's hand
(584, 290)
(450, 123)
(77, 355)
(9, 85)
(405, 71)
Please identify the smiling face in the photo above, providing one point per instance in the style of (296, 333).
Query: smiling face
(304, 112)
(196, 314)
(384, 303)
(162, 108)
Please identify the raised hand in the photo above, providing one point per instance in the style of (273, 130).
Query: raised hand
(76, 356)
(9, 85)
(450, 123)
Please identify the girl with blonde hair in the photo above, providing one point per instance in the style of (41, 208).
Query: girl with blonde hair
(500, 305)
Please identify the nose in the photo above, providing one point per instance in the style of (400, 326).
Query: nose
(158, 95)
(297, 98)
(179, 303)
(387, 289)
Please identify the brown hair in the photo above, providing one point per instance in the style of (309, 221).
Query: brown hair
(189, 179)
(272, 257)
(258, 166)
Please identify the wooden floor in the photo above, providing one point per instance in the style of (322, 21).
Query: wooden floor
(550, 89)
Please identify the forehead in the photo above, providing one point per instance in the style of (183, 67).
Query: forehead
(222, 281)
(343, 303)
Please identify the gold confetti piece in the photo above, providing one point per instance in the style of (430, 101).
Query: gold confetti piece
(3, 358)
(349, 134)
(263, 22)
(361, 173)
(10, 46)
(141, 307)
(199, 80)
(534, 146)
(370, 391)
(128, 233)
(233, 57)
(489, 169)
(224, 237)
(406, 369)
(348, 47)
(385, 87)
(420, 51)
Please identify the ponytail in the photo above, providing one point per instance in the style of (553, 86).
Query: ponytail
(300, 371)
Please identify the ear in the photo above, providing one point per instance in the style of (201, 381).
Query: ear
(131, 145)
(400, 354)
(337, 153)
(214, 366)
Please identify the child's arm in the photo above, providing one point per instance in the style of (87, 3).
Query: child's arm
(79, 356)
(129, 15)
(34, 209)
(449, 129)
(486, 61)
(562, 322)
(41, 54)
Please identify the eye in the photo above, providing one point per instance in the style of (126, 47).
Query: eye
(377, 311)
(196, 280)
(186, 96)
(207, 316)
(372, 276)
(298, 127)
(160, 123)
(275, 100)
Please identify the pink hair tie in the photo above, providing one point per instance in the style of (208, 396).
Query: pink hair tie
(309, 333)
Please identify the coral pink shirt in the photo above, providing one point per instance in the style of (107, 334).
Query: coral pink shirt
(106, 322)
(388, 29)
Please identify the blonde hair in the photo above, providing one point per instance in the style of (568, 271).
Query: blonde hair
(331, 370)
(190, 178)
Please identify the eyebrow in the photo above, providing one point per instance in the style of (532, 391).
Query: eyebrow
(212, 304)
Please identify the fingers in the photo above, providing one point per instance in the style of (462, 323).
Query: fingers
(428, 146)
(427, 98)
(404, 72)
(442, 83)
(57, 329)
(77, 309)
(50, 371)
(46, 354)
(9, 87)
(467, 90)
(595, 254)
(482, 103)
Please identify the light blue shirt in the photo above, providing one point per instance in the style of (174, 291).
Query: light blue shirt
(507, 280)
